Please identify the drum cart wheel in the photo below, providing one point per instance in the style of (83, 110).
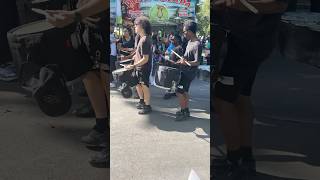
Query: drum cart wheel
(126, 91)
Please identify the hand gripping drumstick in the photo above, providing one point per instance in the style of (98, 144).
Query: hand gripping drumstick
(47, 15)
(249, 6)
(181, 57)
(127, 60)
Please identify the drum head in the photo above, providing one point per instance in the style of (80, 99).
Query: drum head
(35, 27)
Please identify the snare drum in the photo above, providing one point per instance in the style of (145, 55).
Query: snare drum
(41, 44)
(167, 77)
(22, 38)
(125, 75)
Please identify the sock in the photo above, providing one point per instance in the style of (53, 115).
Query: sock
(101, 125)
(233, 156)
(142, 101)
(246, 153)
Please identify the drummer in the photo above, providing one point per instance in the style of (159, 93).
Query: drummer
(142, 62)
(94, 80)
(126, 43)
(251, 38)
(176, 42)
(188, 64)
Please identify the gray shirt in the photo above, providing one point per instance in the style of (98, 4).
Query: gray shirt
(192, 53)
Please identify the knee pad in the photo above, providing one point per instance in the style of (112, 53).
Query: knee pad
(180, 89)
(229, 93)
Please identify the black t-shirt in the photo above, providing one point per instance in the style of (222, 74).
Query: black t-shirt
(144, 48)
(178, 50)
(127, 44)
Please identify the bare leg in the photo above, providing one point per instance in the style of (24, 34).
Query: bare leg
(96, 93)
(139, 91)
(181, 98)
(246, 116)
(104, 79)
(228, 118)
(146, 94)
(186, 95)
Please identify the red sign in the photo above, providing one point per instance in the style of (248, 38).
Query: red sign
(182, 2)
(133, 5)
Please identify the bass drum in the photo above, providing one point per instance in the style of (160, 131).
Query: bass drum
(167, 77)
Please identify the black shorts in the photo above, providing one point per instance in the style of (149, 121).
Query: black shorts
(248, 47)
(143, 77)
(185, 81)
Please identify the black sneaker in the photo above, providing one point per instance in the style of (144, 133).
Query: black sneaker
(181, 116)
(94, 138)
(225, 170)
(249, 169)
(187, 113)
(146, 110)
(101, 160)
(140, 105)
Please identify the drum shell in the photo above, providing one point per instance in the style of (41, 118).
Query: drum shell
(20, 45)
(299, 43)
(166, 77)
(51, 46)
(125, 76)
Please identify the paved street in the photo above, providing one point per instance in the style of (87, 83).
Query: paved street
(37, 147)
(286, 97)
(155, 147)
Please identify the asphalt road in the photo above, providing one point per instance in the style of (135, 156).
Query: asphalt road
(35, 146)
(155, 146)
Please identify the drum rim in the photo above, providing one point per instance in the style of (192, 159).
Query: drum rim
(120, 70)
(12, 31)
(168, 67)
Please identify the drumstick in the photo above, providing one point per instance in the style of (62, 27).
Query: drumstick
(249, 6)
(181, 57)
(127, 60)
(125, 51)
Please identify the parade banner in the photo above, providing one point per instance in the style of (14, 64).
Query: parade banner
(159, 11)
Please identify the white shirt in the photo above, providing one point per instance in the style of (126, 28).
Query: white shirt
(113, 45)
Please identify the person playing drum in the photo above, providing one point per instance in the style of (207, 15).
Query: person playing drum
(176, 41)
(250, 40)
(142, 61)
(95, 81)
(188, 64)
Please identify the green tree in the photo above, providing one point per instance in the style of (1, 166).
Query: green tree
(203, 16)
